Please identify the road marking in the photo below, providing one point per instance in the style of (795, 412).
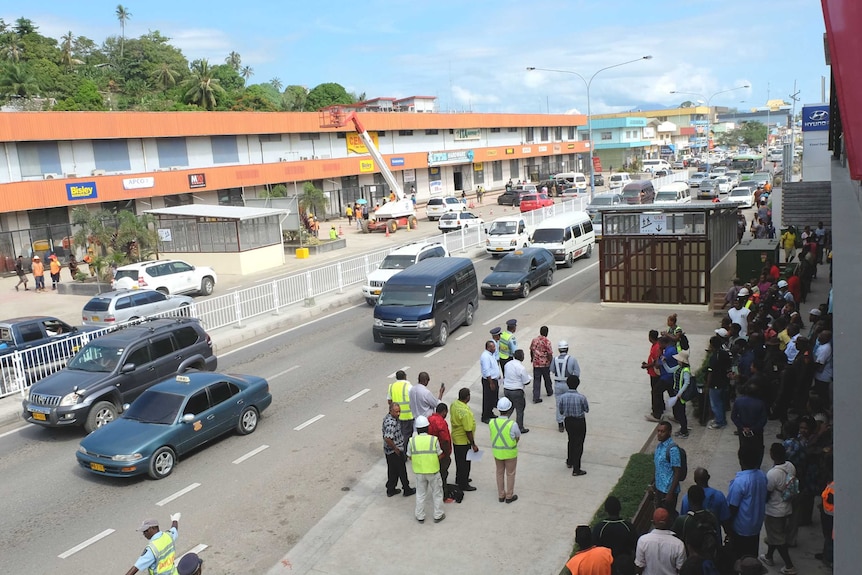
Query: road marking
(178, 494)
(309, 422)
(434, 352)
(357, 395)
(86, 543)
(280, 373)
(250, 454)
(13, 431)
(462, 336)
(391, 375)
(294, 328)
(552, 286)
(196, 549)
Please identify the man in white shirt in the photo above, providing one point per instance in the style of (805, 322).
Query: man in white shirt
(515, 377)
(490, 380)
(660, 552)
(422, 401)
(778, 510)
(739, 314)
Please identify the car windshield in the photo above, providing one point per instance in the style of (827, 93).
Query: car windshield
(665, 197)
(698, 176)
(131, 274)
(503, 228)
(96, 358)
(597, 201)
(548, 236)
(512, 265)
(97, 304)
(435, 202)
(739, 192)
(155, 407)
(449, 216)
(529, 198)
(407, 296)
(393, 262)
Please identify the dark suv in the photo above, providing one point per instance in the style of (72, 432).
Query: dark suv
(116, 368)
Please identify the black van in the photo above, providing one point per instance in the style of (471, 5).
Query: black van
(423, 304)
(638, 192)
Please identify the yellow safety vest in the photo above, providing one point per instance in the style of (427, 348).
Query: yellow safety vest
(503, 345)
(502, 444)
(399, 395)
(423, 454)
(678, 381)
(164, 552)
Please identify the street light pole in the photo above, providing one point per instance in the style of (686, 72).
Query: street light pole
(589, 83)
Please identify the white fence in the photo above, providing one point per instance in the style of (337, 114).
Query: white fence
(21, 369)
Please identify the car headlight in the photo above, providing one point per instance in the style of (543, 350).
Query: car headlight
(562, 251)
(130, 457)
(484, 285)
(487, 241)
(81, 449)
(378, 322)
(512, 286)
(426, 324)
(70, 399)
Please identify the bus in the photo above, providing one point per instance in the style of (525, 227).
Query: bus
(746, 164)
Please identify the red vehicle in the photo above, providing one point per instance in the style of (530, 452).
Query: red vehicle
(530, 202)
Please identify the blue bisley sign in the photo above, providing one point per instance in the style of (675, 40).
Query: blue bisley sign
(815, 118)
(396, 161)
(81, 191)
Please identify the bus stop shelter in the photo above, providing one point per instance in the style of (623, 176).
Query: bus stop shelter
(665, 254)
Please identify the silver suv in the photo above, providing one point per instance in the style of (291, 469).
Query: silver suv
(399, 259)
(436, 207)
(166, 276)
(114, 307)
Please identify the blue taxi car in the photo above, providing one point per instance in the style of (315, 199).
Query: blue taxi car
(172, 418)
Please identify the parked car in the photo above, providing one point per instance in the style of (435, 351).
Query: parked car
(596, 219)
(398, 260)
(166, 276)
(116, 368)
(172, 418)
(695, 180)
(530, 202)
(510, 198)
(662, 172)
(436, 207)
(743, 196)
(20, 333)
(575, 193)
(619, 180)
(459, 220)
(113, 307)
(599, 180)
(678, 165)
(604, 200)
(519, 272)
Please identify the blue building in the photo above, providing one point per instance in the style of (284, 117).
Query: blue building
(617, 141)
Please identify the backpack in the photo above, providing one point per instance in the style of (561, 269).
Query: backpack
(692, 390)
(791, 487)
(683, 461)
(451, 491)
(709, 539)
(683, 341)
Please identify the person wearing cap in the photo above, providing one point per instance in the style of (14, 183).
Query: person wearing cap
(422, 401)
(463, 438)
(394, 449)
(190, 564)
(732, 293)
(515, 377)
(399, 392)
(54, 264)
(495, 336)
(739, 313)
(813, 318)
(659, 551)
(505, 435)
(541, 354)
(424, 452)
(590, 559)
(507, 345)
(823, 366)
(160, 553)
(38, 273)
(681, 383)
(562, 367)
(490, 379)
(785, 293)
(574, 408)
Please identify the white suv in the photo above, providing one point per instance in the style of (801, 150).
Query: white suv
(166, 276)
(438, 206)
(399, 259)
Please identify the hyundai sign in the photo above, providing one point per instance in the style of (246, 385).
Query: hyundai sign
(815, 118)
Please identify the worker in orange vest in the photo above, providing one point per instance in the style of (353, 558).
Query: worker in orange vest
(827, 521)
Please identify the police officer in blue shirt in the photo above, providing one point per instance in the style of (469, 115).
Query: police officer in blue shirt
(160, 550)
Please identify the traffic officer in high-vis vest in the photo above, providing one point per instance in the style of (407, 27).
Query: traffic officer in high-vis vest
(424, 452)
(505, 436)
(399, 393)
(160, 554)
(827, 524)
(507, 344)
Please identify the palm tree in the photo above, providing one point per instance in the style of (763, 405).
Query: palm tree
(164, 76)
(276, 83)
(246, 72)
(92, 229)
(312, 199)
(136, 236)
(202, 87)
(67, 48)
(17, 80)
(233, 60)
(13, 49)
(123, 15)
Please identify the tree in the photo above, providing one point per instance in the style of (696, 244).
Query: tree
(92, 228)
(136, 236)
(276, 83)
(312, 199)
(327, 94)
(294, 97)
(234, 61)
(17, 80)
(86, 98)
(67, 51)
(12, 49)
(254, 99)
(246, 72)
(164, 76)
(750, 133)
(23, 26)
(202, 88)
(123, 15)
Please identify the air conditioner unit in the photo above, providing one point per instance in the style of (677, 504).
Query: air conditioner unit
(303, 157)
(50, 176)
(175, 168)
(72, 175)
(283, 159)
(99, 172)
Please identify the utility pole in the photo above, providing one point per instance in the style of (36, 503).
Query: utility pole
(788, 166)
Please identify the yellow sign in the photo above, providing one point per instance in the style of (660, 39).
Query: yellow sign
(478, 167)
(366, 165)
(357, 146)
(492, 152)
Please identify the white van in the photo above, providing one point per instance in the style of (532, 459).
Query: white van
(653, 166)
(506, 234)
(619, 180)
(567, 236)
(673, 193)
(572, 180)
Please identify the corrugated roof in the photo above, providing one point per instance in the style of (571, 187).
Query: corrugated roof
(213, 211)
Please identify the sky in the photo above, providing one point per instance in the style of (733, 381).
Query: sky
(473, 55)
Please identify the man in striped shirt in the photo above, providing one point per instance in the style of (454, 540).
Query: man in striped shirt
(574, 407)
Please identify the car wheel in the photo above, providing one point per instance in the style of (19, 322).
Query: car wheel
(570, 260)
(207, 285)
(134, 318)
(589, 252)
(444, 334)
(549, 279)
(393, 226)
(412, 223)
(184, 310)
(248, 421)
(371, 301)
(164, 290)
(162, 462)
(101, 414)
(468, 320)
(526, 290)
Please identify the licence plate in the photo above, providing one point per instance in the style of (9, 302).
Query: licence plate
(497, 293)
(376, 292)
(97, 467)
(39, 416)
(95, 318)
(399, 340)
(499, 249)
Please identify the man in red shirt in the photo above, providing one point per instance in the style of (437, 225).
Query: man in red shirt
(590, 560)
(657, 388)
(541, 354)
(438, 427)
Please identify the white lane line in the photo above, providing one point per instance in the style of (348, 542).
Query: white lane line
(294, 328)
(555, 284)
(178, 494)
(196, 549)
(280, 373)
(86, 543)
(357, 395)
(250, 454)
(391, 375)
(462, 336)
(2, 435)
(309, 422)
(434, 352)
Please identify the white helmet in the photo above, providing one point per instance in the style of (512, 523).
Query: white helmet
(563, 344)
(744, 292)
(504, 404)
(421, 422)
